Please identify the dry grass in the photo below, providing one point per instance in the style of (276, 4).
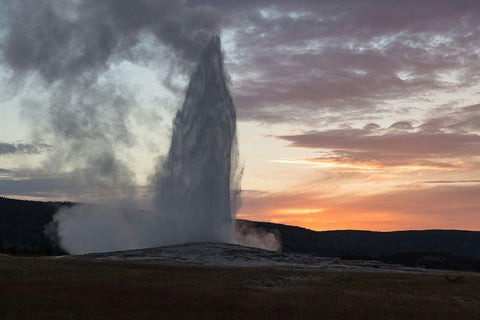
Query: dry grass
(40, 288)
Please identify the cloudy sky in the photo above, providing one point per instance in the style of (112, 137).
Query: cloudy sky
(352, 114)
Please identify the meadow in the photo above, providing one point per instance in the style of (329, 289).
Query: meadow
(52, 288)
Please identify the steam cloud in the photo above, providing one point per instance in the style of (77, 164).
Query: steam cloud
(251, 236)
(63, 50)
(191, 186)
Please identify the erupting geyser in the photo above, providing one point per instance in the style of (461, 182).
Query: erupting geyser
(193, 185)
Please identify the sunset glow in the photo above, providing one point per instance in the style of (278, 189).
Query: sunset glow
(350, 115)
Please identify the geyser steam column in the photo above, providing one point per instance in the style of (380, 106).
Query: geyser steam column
(193, 184)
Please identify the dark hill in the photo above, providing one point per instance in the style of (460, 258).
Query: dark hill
(23, 223)
(441, 249)
(22, 226)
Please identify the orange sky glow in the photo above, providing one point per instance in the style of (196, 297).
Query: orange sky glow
(350, 114)
(397, 189)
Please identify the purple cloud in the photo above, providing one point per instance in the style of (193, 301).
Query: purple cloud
(292, 59)
(434, 143)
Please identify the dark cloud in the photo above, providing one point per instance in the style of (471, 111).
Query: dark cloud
(64, 39)
(77, 184)
(5, 172)
(435, 144)
(40, 187)
(466, 119)
(402, 125)
(23, 148)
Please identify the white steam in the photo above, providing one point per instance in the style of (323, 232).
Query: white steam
(193, 198)
(56, 55)
(251, 236)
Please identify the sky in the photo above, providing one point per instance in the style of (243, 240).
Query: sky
(351, 114)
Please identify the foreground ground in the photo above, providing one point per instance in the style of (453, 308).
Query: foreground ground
(48, 288)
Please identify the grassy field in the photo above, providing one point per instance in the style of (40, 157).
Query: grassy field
(42, 288)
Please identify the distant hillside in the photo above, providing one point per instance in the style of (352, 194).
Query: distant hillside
(441, 249)
(22, 231)
(22, 225)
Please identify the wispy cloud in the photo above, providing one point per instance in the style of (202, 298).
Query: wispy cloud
(442, 143)
(451, 181)
(23, 148)
(292, 59)
(401, 143)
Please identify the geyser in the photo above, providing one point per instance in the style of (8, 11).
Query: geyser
(193, 184)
